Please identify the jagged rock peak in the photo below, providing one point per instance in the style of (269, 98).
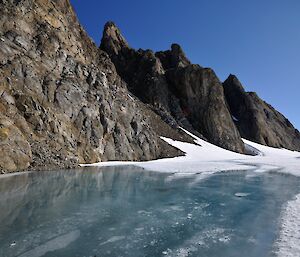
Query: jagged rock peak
(174, 58)
(61, 99)
(112, 40)
(233, 82)
(257, 120)
(182, 93)
(179, 56)
(202, 99)
(232, 78)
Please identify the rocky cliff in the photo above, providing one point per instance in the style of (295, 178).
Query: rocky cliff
(257, 120)
(64, 101)
(184, 94)
(61, 99)
(191, 96)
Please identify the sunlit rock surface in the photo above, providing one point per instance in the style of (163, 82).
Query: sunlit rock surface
(61, 99)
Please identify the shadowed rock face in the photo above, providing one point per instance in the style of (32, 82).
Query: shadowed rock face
(202, 98)
(61, 99)
(144, 75)
(257, 120)
(142, 71)
(183, 94)
(174, 58)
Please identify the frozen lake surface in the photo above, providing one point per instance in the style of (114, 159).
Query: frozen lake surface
(125, 211)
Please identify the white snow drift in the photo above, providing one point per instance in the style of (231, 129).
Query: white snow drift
(203, 157)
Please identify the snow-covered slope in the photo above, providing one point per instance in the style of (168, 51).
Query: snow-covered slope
(287, 245)
(204, 157)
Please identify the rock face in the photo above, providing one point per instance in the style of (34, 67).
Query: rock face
(64, 101)
(142, 71)
(257, 120)
(182, 93)
(202, 98)
(174, 58)
(191, 96)
(61, 99)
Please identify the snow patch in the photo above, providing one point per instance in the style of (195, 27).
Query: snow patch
(113, 239)
(288, 242)
(234, 118)
(204, 158)
(241, 194)
(57, 243)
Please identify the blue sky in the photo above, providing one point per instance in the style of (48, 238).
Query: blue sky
(257, 40)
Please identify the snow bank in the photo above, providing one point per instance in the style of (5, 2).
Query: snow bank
(288, 242)
(281, 160)
(204, 157)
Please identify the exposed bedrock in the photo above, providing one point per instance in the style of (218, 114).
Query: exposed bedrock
(61, 99)
(257, 120)
(64, 101)
(202, 99)
(182, 93)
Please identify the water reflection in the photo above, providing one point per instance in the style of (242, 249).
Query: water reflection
(32, 191)
(124, 211)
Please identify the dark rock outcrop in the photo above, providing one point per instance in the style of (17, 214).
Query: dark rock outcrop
(257, 120)
(182, 93)
(141, 70)
(144, 75)
(202, 99)
(61, 99)
(174, 58)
